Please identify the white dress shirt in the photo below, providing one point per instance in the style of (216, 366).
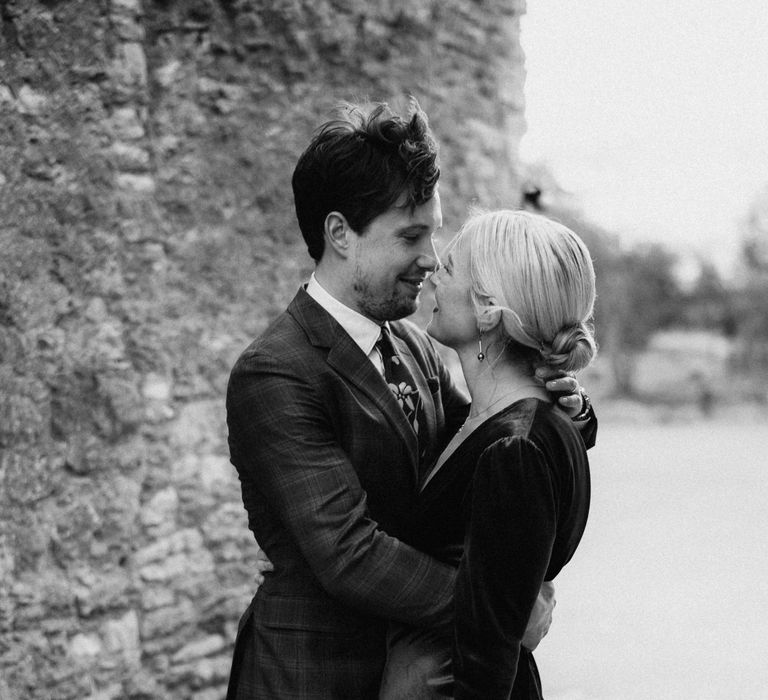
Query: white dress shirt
(362, 330)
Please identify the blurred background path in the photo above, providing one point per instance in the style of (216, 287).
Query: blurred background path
(666, 597)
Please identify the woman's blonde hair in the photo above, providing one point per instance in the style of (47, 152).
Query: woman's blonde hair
(533, 277)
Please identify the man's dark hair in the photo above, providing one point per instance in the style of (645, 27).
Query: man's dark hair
(360, 165)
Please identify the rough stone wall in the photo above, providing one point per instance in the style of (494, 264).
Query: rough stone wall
(146, 235)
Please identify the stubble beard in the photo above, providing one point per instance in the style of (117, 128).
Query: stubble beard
(378, 308)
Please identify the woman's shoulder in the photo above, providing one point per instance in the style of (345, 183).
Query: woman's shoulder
(527, 420)
(531, 428)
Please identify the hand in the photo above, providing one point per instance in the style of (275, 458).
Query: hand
(263, 566)
(565, 387)
(541, 616)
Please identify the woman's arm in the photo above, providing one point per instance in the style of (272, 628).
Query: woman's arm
(509, 545)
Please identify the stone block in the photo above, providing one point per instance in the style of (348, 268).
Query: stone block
(202, 671)
(126, 124)
(30, 476)
(174, 567)
(158, 515)
(153, 597)
(156, 387)
(206, 694)
(84, 648)
(99, 591)
(180, 541)
(126, 28)
(129, 157)
(30, 101)
(126, 408)
(136, 182)
(199, 648)
(130, 64)
(121, 638)
(131, 7)
(167, 74)
(163, 622)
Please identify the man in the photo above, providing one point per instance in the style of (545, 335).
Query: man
(329, 458)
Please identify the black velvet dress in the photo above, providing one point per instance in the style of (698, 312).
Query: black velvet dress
(514, 497)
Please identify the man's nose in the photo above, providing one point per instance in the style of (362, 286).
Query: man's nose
(429, 259)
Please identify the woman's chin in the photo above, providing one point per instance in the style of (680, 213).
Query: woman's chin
(433, 331)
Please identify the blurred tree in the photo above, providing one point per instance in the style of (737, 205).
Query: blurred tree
(755, 244)
(751, 293)
(709, 303)
(639, 295)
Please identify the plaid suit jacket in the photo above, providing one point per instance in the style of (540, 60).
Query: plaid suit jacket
(329, 470)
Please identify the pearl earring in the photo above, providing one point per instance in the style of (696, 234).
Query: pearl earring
(481, 354)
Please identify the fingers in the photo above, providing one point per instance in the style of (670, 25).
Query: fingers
(547, 373)
(541, 616)
(262, 562)
(566, 385)
(571, 402)
(262, 566)
(547, 592)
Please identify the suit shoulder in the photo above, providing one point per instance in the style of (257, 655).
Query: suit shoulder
(414, 336)
(283, 332)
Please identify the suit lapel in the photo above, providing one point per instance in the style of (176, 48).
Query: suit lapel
(349, 361)
(428, 429)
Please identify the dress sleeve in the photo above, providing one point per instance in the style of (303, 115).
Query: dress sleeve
(508, 548)
(282, 444)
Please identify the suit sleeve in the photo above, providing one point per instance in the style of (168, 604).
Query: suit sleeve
(281, 440)
(588, 431)
(511, 534)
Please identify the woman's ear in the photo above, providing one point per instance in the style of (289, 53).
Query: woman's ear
(337, 232)
(488, 315)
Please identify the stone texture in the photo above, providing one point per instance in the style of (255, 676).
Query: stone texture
(147, 235)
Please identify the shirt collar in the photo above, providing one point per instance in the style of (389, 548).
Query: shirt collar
(362, 330)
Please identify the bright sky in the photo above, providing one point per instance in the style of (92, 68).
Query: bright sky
(654, 113)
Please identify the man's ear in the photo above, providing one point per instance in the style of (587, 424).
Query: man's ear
(337, 233)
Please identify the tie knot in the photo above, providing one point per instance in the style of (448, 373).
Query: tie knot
(384, 343)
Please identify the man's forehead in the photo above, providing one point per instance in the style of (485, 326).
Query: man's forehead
(426, 216)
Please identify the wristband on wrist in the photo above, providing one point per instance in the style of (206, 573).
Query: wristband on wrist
(586, 406)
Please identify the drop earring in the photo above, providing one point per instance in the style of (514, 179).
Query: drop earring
(481, 354)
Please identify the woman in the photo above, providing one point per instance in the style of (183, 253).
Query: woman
(509, 496)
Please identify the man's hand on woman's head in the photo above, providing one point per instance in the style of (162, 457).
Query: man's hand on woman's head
(571, 397)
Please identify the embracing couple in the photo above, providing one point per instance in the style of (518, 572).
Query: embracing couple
(413, 535)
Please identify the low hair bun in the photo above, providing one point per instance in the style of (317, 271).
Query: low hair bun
(572, 348)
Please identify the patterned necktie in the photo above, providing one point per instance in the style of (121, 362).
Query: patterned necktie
(400, 380)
